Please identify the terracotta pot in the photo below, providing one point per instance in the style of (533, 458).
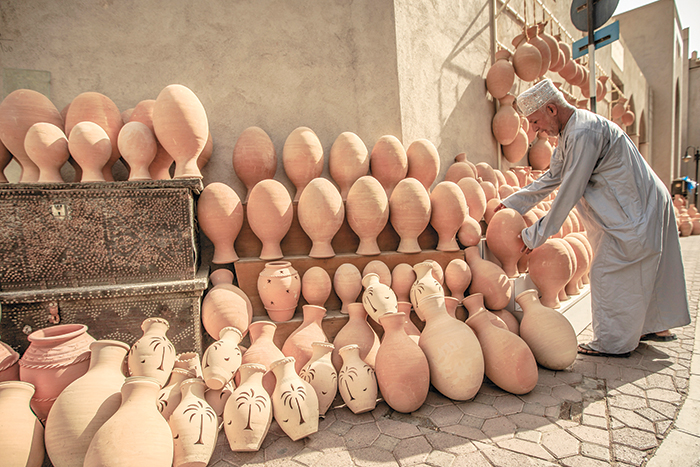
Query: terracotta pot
(137, 434)
(550, 269)
(367, 210)
(568, 71)
(263, 350)
(153, 354)
(85, 405)
(491, 206)
(511, 178)
(189, 361)
(486, 173)
(56, 356)
(5, 159)
(378, 298)
(474, 196)
(459, 170)
(508, 361)
(426, 284)
(379, 268)
(348, 161)
(527, 60)
(21, 433)
(516, 150)
(298, 344)
(302, 157)
(222, 358)
(502, 238)
(488, 279)
(294, 401)
(557, 57)
(409, 212)
(320, 373)
(627, 117)
(357, 382)
(194, 426)
(9, 363)
(254, 157)
(388, 162)
(510, 321)
(248, 412)
(91, 148)
(321, 213)
(181, 126)
(522, 173)
(226, 305)
(423, 162)
(316, 286)
(270, 214)
(542, 47)
(137, 145)
(279, 286)
(347, 284)
(220, 215)
(169, 397)
(506, 122)
(505, 191)
(448, 212)
(582, 264)
(540, 152)
(490, 190)
(458, 276)
(469, 233)
(411, 330)
(356, 331)
(160, 167)
(47, 147)
(402, 278)
(501, 75)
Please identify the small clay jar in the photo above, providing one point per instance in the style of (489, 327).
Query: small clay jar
(474, 196)
(501, 75)
(91, 148)
(222, 358)
(402, 278)
(294, 401)
(458, 276)
(388, 162)
(220, 215)
(357, 382)
(535, 39)
(302, 158)
(138, 146)
(378, 298)
(516, 150)
(409, 213)
(550, 269)
(194, 426)
(316, 286)
(347, 284)
(527, 60)
(248, 411)
(279, 287)
(153, 355)
(348, 161)
(254, 157)
(506, 122)
(423, 162)
(320, 373)
(226, 305)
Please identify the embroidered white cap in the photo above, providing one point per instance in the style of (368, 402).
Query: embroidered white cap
(530, 101)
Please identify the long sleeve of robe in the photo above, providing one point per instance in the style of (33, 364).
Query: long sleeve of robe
(637, 278)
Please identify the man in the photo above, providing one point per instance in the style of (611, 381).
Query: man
(637, 279)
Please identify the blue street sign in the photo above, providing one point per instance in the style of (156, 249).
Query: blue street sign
(602, 37)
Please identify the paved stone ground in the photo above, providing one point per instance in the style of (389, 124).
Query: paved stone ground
(599, 412)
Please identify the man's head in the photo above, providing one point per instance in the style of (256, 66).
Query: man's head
(545, 107)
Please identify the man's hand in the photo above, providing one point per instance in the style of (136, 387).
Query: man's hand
(524, 249)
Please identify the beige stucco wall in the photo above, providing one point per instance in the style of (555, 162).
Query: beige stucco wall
(693, 128)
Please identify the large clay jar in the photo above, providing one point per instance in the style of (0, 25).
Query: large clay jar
(458, 276)
(402, 370)
(586, 243)
(423, 162)
(448, 212)
(582, 264)
(488, 279)
(502, 239)
(20, 110)
(501, 75)
(153, 354)
(294, 401)
(321, 213)
(426, 283)
(248, 412)
(316, 286)
(83, 406)
(320, 373)
(550, 269)
(348, 161)
(47, 147)
(411, 330)
(367, 210)
(160, 166)
(409, 212)
(169, 397)
(90, 147)
(298, 344)
(547, 332)
(347, 284)
(279, 287)
(270, 214)
(474, 196)
(56, 356)
(356, 331)
(357, 382)
(222, 358)
(138, 146)
(508, 361)
(540, 152)
(254, 157)
(469, 233)
(388, 162)
(542, 47)
(509, 320)
(9, 363)
(101, 110)
(194, 426)
(302, 157)
(226, 305)
(263, 350)
(555, 54)
(378, 298)
(402, 278)
(527, 60)
(21, 433)
(516, 150)
(506, 122)
(137, 435)
(220, 215)
(181, 126)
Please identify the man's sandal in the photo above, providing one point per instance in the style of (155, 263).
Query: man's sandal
(585, 349)
(655, 337)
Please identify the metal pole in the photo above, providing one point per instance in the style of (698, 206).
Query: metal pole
(591, 53)
(697, 159)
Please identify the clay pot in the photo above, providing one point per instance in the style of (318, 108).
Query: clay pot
(357, 382)
(502, 238)
(402, 370)
(459, 170)
(488, 279)
(320, 373)
(270, 216)
(21, 433)
(582, 264)
(547, 332)
(220, 215)
(294, 401)
(522, 173)
(426, 284)
(509, 320)
(160, 166)
(298, 344)
(263, 350)
(91, 148)
(388, 162)
(474, 196)
(448, 212)
(169, 397)
(505, 191)
(378, 298)
(409, 212)
(508, 361)
(181, 126)
(490, 191)
(222, 358)
(347, 284)
(458, 276)
(85, 405)
(540, 152)
(194, 426)
(491, 206)
(423, 162)
(542, 47)
(321, 213)
(411, 330)
(527, 60)
(402, 278)
(47, 147)
(348, 161)
(316, 286)
(516, 150)
(550, 269)
(556, 61)
(501, 75)
(226, 305)
(568, 71)
(627, 117)
(5, 159)
(137, 434)
(279, 286)
(356, 331)
(367, 210)
(56, 356)
(379, 268)
(248, 412)
(302, 157)
(254, 157)
(9, 363)
(469, 233)
(137, 145)
(153, 354)
(506, 122)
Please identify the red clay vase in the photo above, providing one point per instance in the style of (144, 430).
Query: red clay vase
(423, 162)
(298, 344)
(409, 213)
(220, 215)
(388, 162)
(302, 157)
(321, 213)
(367, 210)
(279, 286)
(270, 214)
(488, 279)
(254, 157)
(348, 161)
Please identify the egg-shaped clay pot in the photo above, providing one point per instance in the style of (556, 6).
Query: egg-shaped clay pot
(348, 161)
(502, 238)
(527, 60)
(254, 157)
(423, 162)
(448, 212)
(138, 146)
(220, 215)
(388, 162)
(367, 210)
(474, 196)
(47, 146)
(506, 122)
(270, 214)
(302, 157)
(91, 148)
(316, 286)
(409, 212)
(321, 213)
(501, 75)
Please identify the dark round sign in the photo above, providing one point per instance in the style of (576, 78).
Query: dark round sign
(602, 12)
